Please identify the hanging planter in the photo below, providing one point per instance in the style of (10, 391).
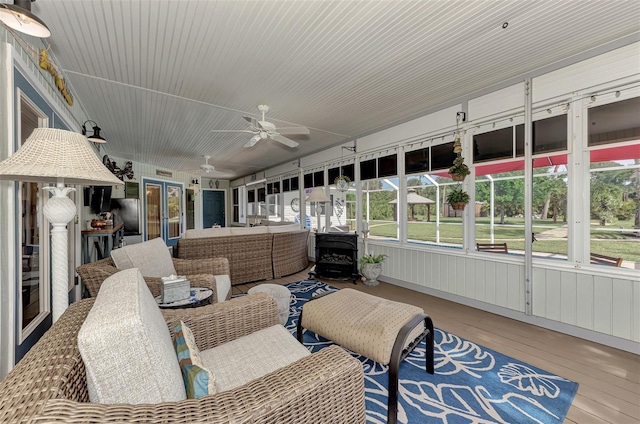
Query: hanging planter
(459, 170)
(458, 198)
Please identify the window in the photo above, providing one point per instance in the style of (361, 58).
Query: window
(236, 205)
(614, 131)
(33, 230)
(380, 207)
(368, 169)
(308, 180)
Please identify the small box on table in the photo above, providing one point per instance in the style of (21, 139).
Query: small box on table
(174, 288)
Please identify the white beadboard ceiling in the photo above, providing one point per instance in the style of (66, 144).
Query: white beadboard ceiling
(159, 75)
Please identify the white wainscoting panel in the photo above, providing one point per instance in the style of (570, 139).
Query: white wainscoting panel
(574, 297)
(587, 300)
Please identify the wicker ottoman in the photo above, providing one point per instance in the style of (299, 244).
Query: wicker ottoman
(377, 328)
(281, 294)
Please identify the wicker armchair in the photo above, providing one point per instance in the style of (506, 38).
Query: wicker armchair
(49, 383)
(200, 272)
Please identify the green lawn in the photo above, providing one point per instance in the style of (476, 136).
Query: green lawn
(619, 243)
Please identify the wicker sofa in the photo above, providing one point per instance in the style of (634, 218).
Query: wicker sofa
(49, 383)
(254, 254)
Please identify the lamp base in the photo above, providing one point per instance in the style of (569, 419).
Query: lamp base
(59, 211)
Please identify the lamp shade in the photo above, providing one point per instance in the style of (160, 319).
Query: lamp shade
(317, 195)
(18, 16)
(52, 155)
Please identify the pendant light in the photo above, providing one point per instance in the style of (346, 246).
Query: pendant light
(18, 16)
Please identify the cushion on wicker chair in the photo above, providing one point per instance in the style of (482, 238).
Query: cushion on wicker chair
(253, 356)
(198, 380)
(152, 258)
(126, 346)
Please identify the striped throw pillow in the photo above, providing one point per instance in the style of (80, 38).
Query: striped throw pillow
(198, 380)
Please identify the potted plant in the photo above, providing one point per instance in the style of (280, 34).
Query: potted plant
(458, 198)
(371, 267)
(459, 170)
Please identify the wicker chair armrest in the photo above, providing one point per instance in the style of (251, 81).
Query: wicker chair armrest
(326, 387)
(216, 324)
(213, 266)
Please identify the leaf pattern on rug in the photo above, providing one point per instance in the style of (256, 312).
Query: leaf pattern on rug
(528, 380)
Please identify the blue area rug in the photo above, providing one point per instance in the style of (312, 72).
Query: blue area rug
(472, 384)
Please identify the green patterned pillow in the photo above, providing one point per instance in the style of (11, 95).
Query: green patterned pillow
(198, 380)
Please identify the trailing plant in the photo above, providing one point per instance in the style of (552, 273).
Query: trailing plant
(457, 195)
(459, 168)
(371, 259)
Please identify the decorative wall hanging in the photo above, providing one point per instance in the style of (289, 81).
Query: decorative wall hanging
(115, 170)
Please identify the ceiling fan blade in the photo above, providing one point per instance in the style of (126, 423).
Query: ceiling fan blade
(226, 131)
(253, 141)
(283, 140)
(293, 130)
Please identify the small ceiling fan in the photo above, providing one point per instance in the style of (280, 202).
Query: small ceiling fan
(212, 171)
(262, 129)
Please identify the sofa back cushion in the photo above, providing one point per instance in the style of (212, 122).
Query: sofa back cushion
(284, 228)
(126, 346)
(239, 231)
(208, 232)
(152, 258)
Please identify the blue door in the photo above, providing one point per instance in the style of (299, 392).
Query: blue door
(163, 210)
(213, 208)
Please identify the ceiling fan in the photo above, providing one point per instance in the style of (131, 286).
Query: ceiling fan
(262, 129)
(211, 171)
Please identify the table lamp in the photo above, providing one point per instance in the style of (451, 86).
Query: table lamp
(51, 155)
(317, 195)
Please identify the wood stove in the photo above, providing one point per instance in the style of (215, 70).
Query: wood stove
(336, 256)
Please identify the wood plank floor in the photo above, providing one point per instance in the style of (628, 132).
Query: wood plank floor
(609, 379)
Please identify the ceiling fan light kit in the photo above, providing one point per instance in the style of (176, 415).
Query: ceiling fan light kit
(263, 129)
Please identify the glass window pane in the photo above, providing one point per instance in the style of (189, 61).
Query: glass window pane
(387, 166)
(332, 174)
(276, 187)
(550, 208)
(295, 183)
(493, 145)
(615, 122)
(368, 169)
(380, 207)
(550, 134)
(442, 156)
(285, 185)
(615, 205)
(349, 171)
(153, 211)
(519, 140)
(308, 180)
(30, 252)
(501, 221)
(174, 210)
(416, 161)
(318, 179)
(430, 219)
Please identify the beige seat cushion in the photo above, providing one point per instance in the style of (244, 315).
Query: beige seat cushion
(126, 346)
(363, 323)
(253, 356)
(152, 258)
